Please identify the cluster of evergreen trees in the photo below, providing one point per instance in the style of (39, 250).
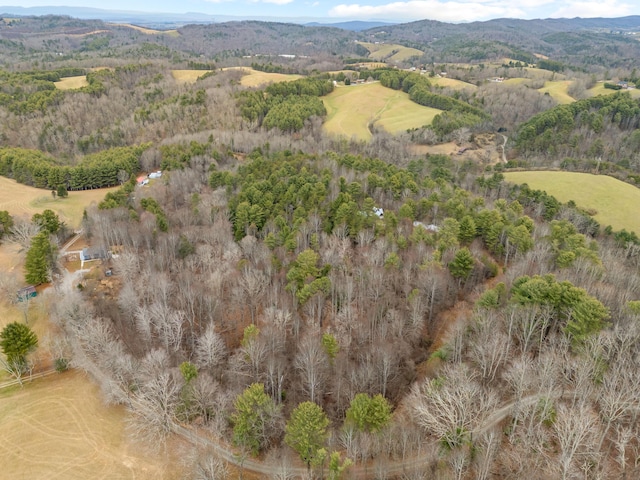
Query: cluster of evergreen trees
(27, 92)
(35, 168)
(554, 129)
(286, 105)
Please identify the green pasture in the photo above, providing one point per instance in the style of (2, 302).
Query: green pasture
(615, 202)
(351, 109)
(599, 89)
(558, 90)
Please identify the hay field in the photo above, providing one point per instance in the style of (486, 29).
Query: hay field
(452, 83)
(558, 91)
(351, 109)
(599, 89)
(20, 199)
(514, 81)
(187, 76)
(615, 202)
(256, 78)
(58, 428)
(71, 83)
(385, 51)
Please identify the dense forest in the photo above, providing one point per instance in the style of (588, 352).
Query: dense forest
(332, 307)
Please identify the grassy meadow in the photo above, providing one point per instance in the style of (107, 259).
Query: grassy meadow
(20, 199)
(558, 91)
(187, 76)
(599, 89)
(615, 202)
(351, 109)
(452, 83)
(58, 428)
(390, 52)
(72, 83)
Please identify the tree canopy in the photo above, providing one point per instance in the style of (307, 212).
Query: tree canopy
(17, 340)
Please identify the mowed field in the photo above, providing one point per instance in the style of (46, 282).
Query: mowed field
(58, 428)
(390, 52)
(253, 78)
(20, 199)
(599, 89)
(615, 202)
(558, 91)
(351, 109)
(452, 83)
(256, 78)
(71, 83)
(187, 76)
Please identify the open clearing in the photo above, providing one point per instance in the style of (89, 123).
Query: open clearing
(351, 109)
(558, 91)
(20, 199)
(599, 89)
(148, 31)
(187, 76)
(390, 52)
(256, 78)
(514, 81)
(452, 83)
(72, 83)
(615, 202)
(58, 428)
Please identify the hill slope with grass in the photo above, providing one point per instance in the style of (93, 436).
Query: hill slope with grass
(350, 111)
(615, 202)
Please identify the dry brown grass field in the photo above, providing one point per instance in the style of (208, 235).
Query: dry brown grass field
(256, 78)
(20, 199)
(148, 31)
(390, 52)
(71, 83)
(58, 428)
(452, 83)
(187, 76)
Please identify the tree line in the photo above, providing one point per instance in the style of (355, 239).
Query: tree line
(103, 169)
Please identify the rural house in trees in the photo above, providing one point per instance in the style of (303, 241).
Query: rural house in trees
(89, 254)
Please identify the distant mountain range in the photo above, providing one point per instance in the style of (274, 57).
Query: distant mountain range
(171, 20)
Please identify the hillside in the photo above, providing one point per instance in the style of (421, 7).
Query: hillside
(305, 265)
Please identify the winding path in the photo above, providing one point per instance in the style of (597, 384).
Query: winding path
(504, 145)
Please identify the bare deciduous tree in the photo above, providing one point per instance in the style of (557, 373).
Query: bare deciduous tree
(210, 348)
(311, 362)
(452, 406)
(576, 431)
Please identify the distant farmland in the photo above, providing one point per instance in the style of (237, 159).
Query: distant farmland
(255, 78)
(452, 83)
(71, 83)
(352, 109)
(558, 90)
(615, 202)
(599, 89)
(390, 52)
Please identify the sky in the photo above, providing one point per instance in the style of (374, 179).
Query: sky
(382, 10)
